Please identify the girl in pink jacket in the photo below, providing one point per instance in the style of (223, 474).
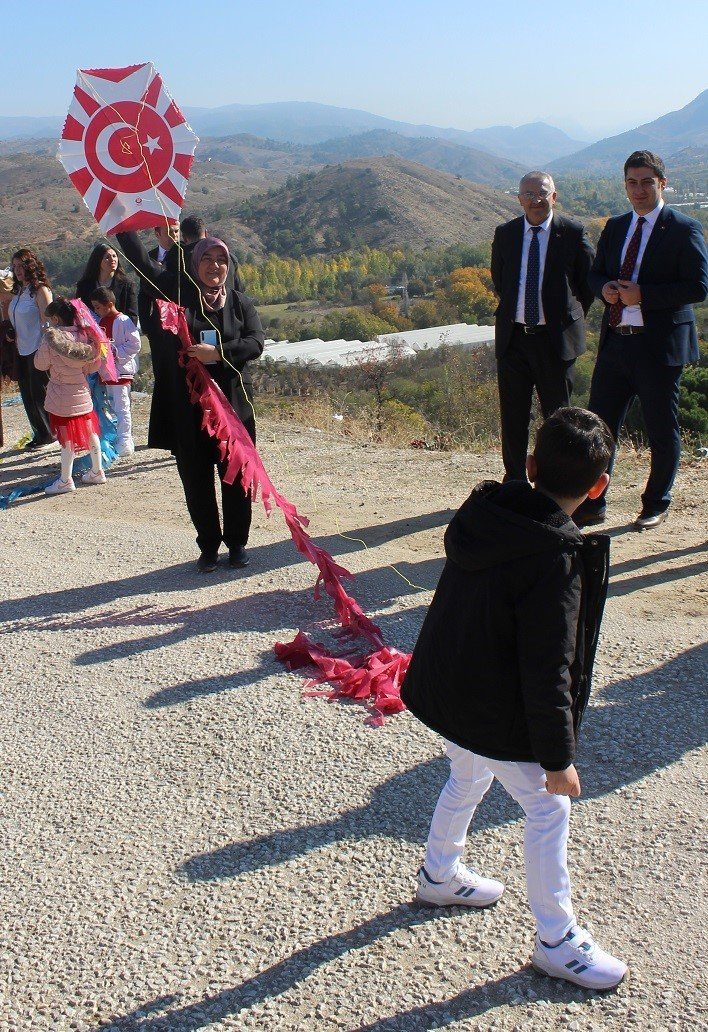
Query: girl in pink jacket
(67, 354)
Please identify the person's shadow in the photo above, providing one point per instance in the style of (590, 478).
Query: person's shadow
(294, 969)
(646, 723)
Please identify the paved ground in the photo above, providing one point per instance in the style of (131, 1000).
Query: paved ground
(189, 844)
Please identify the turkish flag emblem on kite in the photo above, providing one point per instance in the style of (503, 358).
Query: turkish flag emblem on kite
(127, 147)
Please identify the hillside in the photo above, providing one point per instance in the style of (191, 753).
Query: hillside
(468, 162)
(667, 135)
(379, 202)
(39, 206)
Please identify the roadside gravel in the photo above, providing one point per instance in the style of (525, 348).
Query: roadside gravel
(189, 844)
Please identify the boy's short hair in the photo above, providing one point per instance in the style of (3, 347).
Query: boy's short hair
(573, 448)
(63, 309)
(104, 296)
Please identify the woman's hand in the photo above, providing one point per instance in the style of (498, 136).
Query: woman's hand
(205, 353)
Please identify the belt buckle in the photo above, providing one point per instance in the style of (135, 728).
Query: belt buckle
(529, 329)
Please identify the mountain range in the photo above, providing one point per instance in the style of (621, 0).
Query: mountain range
(673, 134)
(309, 123)
(332, 133)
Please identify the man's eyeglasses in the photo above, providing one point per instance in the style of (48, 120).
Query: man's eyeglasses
(531, 195)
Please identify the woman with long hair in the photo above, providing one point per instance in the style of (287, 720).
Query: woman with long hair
(31, 293)
(103, 269)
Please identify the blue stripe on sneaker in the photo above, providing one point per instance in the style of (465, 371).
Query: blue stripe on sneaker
(571, 964)
(579, 970)
(469, 893)
(428, 878)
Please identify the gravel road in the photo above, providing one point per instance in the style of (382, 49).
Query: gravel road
(189, 844)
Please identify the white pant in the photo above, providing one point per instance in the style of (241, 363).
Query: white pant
(545, 835)
(119, 398)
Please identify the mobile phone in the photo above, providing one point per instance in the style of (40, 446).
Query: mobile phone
(208, 337)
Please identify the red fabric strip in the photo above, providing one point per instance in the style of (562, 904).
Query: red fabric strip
(375, 677)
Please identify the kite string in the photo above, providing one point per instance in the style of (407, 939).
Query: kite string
(182, 270)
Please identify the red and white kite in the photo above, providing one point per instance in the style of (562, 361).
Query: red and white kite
(127, 147)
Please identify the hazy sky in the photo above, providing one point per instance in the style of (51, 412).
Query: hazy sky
(601, 67)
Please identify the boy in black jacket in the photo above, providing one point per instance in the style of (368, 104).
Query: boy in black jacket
(502, 670)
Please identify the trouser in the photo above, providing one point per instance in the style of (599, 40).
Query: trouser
(33, 388)
(196, 469)
(545, 834)
(625, 370)
(529, 361)
(119, 398)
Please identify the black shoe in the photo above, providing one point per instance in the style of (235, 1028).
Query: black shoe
(206, 563)
(649, 520)
(41, 445)
(238, 558)
(586, 517)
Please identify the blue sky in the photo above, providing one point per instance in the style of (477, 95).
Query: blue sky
(603, 66)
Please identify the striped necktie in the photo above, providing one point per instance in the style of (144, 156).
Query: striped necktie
(630, 260)
(532, 314)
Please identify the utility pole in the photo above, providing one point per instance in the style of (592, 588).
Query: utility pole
(404, 293)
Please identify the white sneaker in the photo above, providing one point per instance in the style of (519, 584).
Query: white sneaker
(465, 889)
(61, 487)
(93, 478)
(577, 958)
(125, 449)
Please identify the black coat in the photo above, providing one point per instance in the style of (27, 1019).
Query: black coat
(126, 296)
(565, 292)
(673, 277)
(173, 418)
(503, 662)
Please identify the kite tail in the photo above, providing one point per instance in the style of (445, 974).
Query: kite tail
(376, 677)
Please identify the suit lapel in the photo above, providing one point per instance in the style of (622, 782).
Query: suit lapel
(657, 235)
(622, 226)
(555, 238)
(517, 239)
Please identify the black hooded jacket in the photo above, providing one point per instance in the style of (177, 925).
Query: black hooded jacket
(503, 662)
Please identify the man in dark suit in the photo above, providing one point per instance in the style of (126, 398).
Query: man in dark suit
(540, 264)
(651, 268)
(162, 344)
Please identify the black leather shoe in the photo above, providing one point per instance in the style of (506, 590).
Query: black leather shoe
(238, 558)
(206, 563)
(649, 520)
(588, 517)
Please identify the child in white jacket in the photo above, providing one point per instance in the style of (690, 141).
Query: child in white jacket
(125, 342)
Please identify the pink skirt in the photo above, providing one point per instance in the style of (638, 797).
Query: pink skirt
(74, 431)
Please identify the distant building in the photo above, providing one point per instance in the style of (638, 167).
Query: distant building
(384, 347)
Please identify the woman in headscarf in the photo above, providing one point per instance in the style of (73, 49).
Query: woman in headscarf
(228, 334)
(103, 269)
(31, 293)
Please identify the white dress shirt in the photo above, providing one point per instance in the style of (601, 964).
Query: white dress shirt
(545, 228)
(632, 314)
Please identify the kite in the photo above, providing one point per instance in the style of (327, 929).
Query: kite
(127, 147)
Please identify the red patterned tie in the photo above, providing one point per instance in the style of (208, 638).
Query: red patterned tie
(630, 260)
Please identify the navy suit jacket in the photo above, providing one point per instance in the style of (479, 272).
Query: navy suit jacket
(673, 277)
(565, 292)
